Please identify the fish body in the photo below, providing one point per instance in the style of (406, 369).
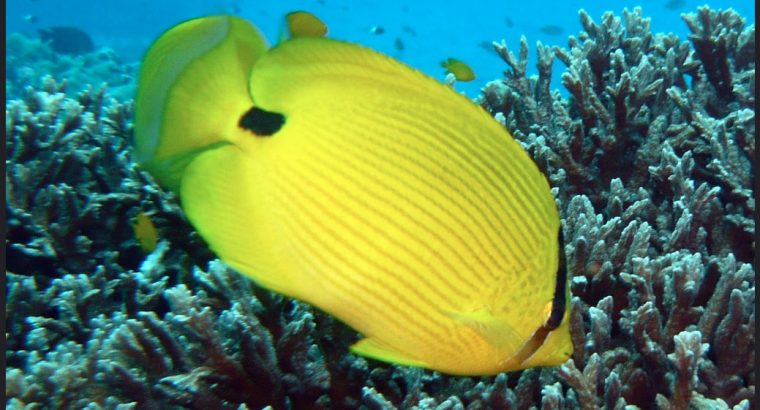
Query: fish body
(398, 44)
(361, 186)
(67, 40)
(305, 24)
(461, 71)
(487, 46)
(409, 30)
(145, 232)
(674, 4)
(552, 30)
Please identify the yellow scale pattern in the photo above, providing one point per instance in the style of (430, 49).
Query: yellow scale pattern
(386, 199)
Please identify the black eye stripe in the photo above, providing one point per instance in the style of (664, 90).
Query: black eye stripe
(261, 123)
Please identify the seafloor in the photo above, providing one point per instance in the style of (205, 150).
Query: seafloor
(651, 156)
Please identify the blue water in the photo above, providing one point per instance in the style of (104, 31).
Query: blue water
(435, 30)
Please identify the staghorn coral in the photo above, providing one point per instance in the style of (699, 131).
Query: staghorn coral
(71, 186)
(653, 180)
(629, 96)
(655, 174)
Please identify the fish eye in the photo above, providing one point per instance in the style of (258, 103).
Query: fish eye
(260, 122)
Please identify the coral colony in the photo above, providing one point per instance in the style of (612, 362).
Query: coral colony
(650, 157)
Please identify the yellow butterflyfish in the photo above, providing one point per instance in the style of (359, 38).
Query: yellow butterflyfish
(305, 24)
(301, 24)
(339, 176)
(461, 71)
(145, 232)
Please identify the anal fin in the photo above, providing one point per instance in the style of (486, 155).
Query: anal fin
(372, 348)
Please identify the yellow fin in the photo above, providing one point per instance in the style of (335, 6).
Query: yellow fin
(461, 71)
(191, 92)
(305, 24)
(372, 348)
(556, 348)
(145, 232)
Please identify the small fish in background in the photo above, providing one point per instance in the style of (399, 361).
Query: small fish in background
(408, 30)
(398, 44)
(487, 46)
(674, 4)
(226, 7)
(376, 30)
(508, 22)
(552, 30)
(235, 8)
(461, 71)
(67, 40)
(305, 24)
(145, 232)
(30, 18)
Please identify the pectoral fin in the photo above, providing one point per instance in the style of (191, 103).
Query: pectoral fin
(495, 330)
